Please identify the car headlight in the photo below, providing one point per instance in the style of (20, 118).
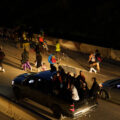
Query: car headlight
(12, 82)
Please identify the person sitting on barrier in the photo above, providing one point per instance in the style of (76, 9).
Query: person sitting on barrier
(92, 62)
(98, 59)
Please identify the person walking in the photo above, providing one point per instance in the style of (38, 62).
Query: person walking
(2, 55)
(25, 60)
(37, 48)
(39, 61)
(58, 49)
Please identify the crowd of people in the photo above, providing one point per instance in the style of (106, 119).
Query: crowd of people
(75, 87)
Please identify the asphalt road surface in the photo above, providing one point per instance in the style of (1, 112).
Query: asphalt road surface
(4, 117)
(105, 111)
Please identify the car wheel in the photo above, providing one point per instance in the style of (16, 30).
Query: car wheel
(104, 94)
(56, 111)
(17, 93)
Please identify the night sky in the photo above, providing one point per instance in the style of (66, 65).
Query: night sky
(92, 22)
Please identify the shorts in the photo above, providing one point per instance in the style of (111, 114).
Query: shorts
(91, 62)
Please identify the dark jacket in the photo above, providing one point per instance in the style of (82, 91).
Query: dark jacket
(2, 55)
(37, 49)
(94, 89)
(39, 60)
(25, 57)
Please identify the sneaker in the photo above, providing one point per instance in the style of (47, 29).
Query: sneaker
(93, 69)
(31, 69)
(95, 72)
(90, 71)
(3, 70)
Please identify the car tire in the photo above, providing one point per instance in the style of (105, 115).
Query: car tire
(17, 93)
(56, 111)
(104, 94)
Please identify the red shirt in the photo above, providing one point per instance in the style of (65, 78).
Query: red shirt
(41, 39)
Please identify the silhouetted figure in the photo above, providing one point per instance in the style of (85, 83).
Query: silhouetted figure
(98, 59)
(53, 68)
(2, 55)
(94, 89)
(81, 86)
(25, 60)
(39, 61)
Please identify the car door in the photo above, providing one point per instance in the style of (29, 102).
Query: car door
(115, 92)
(41, 91)
(28, 87)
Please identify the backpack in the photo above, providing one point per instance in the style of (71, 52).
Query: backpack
(99, 59)
(41, 39)
(53, 59)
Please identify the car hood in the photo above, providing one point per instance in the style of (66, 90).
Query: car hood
(22, 77)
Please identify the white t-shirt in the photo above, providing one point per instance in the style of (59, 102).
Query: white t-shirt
(93, 58)
(75, 95)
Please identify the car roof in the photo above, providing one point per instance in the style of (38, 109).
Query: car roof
(45, 75)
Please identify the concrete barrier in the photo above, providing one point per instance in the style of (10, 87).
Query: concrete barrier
(15, 111)
(115, 54)
(85, 48)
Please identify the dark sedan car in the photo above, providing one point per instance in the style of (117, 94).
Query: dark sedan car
(110, 90)
(38, 87)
